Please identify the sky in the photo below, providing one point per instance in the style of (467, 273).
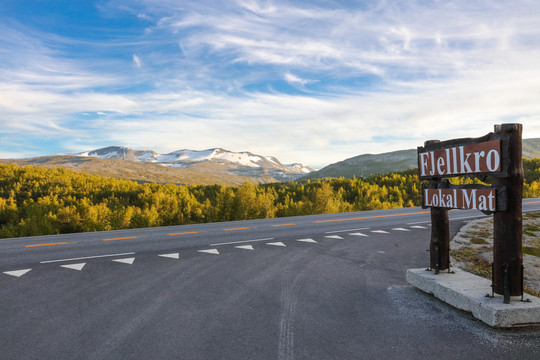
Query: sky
(315, 81)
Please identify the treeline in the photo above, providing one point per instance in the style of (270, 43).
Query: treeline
(38, 201)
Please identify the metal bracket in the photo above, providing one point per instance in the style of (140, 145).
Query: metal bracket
(522, 290)
(437, 265)
(492, 282)
(506, 285)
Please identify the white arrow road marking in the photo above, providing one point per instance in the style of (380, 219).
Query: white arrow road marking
(17, 273)
(307, 240)
(246, 247)
(74, 266)
(333, 237)
(380, 232)
(125, 261)
(400, 229)
(171, 256)
(358, 234)
(418, 227)
(209, 251)
(276, 244)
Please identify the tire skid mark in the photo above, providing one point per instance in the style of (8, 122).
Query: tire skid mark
(291, 287)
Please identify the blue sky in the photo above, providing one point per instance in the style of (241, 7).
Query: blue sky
(306, 81)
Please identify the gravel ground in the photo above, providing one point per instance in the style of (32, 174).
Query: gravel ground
(472, 249)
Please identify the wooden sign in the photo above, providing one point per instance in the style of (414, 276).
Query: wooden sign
(484, 157)
(469, 156)
(466, 197)
(498, 154)
(478, 199)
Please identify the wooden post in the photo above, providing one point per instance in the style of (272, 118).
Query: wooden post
(439, 248)
(440, 240)
(507, 228)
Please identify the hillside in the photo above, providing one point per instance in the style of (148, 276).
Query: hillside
(39, 201)
(196, 174)
(187, 167)
(531, 148)
(369, 164)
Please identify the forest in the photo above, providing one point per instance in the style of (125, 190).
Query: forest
(38, 201)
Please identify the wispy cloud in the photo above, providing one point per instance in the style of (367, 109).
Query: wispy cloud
(137, 61)
(306, 81)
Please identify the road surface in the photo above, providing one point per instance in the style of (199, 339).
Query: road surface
(313, 287)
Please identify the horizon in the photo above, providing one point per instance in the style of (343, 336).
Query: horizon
(228, 150)
(311, 82)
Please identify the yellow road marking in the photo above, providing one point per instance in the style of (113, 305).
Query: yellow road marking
(371, 217)
(233, 229)
(122, 238)
(53, 244)
(284, 225)
(184, 233)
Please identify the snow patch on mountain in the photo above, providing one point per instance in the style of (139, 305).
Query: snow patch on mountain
(242, 161)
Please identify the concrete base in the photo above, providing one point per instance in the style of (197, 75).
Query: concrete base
(468, 292)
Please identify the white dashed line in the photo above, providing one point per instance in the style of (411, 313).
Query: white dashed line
(245, 247)
(77, 267)
(380, 232)
(128, 261)
(358, 234)
(209, 251)
(333, 237)
(86, 257)
(418, 227)
(419, 222)
(279, 243)
(307, 240)
(240, 242)
(339, 231)
(400, 229)
(469, 217)
(171, 256)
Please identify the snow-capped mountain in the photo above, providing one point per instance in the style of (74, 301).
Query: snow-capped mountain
(239, 163)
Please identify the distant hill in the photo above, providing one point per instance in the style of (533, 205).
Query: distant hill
(369, 164)
(189, 167)
(531, 148)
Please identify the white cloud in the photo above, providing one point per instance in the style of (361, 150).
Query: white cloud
(388, 76)
(137, 61)
(293, 79)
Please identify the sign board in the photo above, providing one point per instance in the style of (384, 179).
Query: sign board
(466, 197)
(478, 158)
(486, 155)
(478, 199)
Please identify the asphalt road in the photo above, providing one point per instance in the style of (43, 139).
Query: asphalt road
(314, 287)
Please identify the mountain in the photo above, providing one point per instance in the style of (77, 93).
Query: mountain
(243, 163)
(369, 164)
(190, 167)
